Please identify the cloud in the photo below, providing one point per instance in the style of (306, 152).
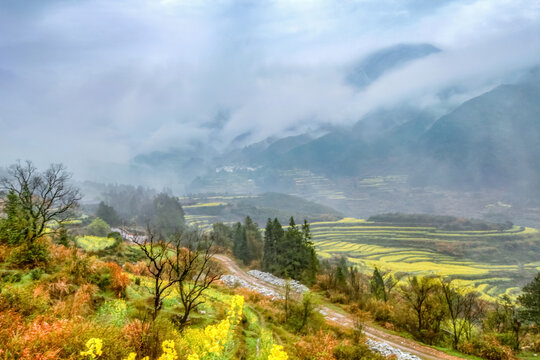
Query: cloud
(93, 81)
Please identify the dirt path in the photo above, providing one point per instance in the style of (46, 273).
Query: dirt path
(336, 318)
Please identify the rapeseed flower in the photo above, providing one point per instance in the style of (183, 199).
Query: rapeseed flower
(93, 348)
(277, 353)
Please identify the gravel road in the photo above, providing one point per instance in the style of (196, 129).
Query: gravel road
(378, 340)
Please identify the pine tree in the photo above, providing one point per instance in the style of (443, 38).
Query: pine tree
(14, 229)
(108, 214)
(254, 241)
(240, 242)
(269, 255)
(530, 300)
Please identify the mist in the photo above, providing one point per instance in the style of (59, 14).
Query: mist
(94, 84)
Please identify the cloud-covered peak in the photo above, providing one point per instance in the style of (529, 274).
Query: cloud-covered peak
(101, 81)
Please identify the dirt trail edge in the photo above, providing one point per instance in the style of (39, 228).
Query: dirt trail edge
(407, 345)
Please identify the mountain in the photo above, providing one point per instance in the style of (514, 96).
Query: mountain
(490, 140)
(378, 63)
(365, 148)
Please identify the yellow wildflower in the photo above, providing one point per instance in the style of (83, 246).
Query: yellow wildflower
(93, 348)
(235, 312)
(131, 356)
(277, 353)
(212, 341)
(169, 352)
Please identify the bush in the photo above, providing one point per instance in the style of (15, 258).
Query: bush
(98, 227)
(119, 280)
(347, 351)
(35, 274)
(318, 346)
(10, 276)
(21, 300)
(487, 347)
(30, 255)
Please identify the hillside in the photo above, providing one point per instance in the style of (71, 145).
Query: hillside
(491, 140)
(203, 210)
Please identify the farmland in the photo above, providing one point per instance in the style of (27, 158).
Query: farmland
(475, 258)
(94, 243)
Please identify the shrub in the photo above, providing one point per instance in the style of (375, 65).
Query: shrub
(119, 280)
(137, 334)
(487, 347)
(22, 300)
(98, 227)
(348, 351)
(319, 346)
(30, 255)
(35, 274)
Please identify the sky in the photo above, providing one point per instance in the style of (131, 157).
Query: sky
(95, 83)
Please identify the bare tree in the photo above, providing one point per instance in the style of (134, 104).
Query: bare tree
(43, 196)
(194, 269)
(158, 255)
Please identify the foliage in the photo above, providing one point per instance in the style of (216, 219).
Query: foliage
(440, 221)
(167, 215)
(98, 227)
(30, 254)
(247, 241)
(222, 235)
(530, 301)
(290, 253)
(108, 214)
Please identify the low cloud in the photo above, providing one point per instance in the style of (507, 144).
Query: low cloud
(99, 81)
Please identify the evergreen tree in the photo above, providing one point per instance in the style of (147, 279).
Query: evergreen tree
(253, 240)
(15, 227)
(240, 242)
(530, 300)
(273, 246)
(222, 235)
(269, 255)
(108, 214)
(167, 214)
(311, 263)
(341, 274)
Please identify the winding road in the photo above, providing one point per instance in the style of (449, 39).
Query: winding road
(336, 318)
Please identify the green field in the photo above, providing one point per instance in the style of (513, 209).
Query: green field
(482, 260)
(94, 243)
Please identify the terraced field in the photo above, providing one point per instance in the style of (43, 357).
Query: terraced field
(476, 258)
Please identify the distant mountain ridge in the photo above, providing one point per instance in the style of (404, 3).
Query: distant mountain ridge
(378, 63)
(490, 140)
